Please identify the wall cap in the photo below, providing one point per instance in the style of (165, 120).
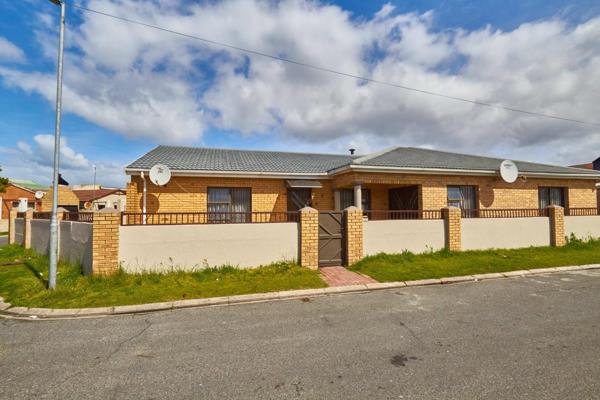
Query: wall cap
(308, 210)
(352, 209)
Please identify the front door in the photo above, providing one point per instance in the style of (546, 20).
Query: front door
(331, 238)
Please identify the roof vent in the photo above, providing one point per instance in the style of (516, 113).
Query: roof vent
(352, 151)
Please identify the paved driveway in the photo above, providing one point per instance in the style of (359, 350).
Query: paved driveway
(534, 338)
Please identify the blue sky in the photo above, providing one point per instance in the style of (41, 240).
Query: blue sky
(539, 55)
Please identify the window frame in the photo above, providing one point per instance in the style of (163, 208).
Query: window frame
(564, 196)
(452, 202)
(364, 198)
(226, 216)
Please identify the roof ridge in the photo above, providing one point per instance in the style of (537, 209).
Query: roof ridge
(250, 150)
(368, 157)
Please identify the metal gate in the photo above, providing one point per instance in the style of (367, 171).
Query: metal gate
(331, 238)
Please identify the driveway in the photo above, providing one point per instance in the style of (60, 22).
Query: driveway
(534, 337)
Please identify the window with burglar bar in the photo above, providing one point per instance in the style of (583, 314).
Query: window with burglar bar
(463, 197)
(229, 205)
(552, 196)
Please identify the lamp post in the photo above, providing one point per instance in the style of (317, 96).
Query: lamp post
(94, 188)
(53, 251)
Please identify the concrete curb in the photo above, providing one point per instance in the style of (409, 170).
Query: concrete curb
(7, 310)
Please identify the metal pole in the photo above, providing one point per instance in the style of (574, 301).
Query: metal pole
(53, 251)
(94, 188)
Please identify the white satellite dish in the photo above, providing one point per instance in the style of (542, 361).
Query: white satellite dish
(39, 194)
(509, 172)
(160, 174)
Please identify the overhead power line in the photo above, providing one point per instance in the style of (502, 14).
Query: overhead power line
(340, 73)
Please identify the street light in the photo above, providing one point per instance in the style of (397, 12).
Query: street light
(53, 251)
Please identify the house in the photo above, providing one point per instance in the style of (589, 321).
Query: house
(16, 190)
(66, 197)
(595, 165)
(218, 181)
(97, 198)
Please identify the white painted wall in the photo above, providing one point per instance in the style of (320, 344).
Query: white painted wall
(505, 233)
(76, 244)
(583, 227)
(187, 247)
(19, 230)
(396, 236)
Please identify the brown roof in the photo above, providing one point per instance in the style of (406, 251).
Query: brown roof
(584, 166)
(89, 195)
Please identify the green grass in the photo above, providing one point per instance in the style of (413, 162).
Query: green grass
(25, 284)
(3, 233)
(408, 266)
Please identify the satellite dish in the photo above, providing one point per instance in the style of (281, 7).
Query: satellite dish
(160, 174)
(39, 194)
(509, 171)
(87, 205)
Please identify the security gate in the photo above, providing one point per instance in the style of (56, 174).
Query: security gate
(331, 238)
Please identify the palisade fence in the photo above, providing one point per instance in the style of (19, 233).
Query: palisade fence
(67, 216)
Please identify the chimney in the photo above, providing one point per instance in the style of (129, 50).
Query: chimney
(352, 151)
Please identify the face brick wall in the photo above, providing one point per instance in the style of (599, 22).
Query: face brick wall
(493, 192)
(66, 197)
(13, 193)
(189, 194)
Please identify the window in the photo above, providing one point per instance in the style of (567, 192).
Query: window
(463, 197)
(222, 202)
(298, 198)
(552, 196)
(347, 198)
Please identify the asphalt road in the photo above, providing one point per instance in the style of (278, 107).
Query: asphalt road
(534, 338)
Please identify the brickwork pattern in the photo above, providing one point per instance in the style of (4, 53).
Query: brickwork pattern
(309, 238)
(557, 226)
(66, 197)
(354, 235)
(105, 243)
(493, 192)
(14, 193)
(452, 223)
(190, 194)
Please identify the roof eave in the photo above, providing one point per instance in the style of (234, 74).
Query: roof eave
(453, 171)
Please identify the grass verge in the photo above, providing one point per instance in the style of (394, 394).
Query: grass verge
(444, 263)
(25, 284)
(3, 233)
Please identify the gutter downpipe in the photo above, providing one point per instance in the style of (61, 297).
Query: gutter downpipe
(144, 199)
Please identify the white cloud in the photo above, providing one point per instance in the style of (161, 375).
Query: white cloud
(147, 83)
(35, 161)
(10, 52)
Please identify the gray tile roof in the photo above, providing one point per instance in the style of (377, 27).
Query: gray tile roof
(410, 157)
(207, 159)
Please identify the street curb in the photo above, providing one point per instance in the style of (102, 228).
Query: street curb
(7, 310)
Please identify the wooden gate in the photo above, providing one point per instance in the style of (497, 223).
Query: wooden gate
(331, 238)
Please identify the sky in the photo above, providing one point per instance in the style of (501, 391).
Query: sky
(129, 88)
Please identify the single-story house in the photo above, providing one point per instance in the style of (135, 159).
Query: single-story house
(100, 198)
(16, 190)
(402, 178)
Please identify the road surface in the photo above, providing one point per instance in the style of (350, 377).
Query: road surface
(535, 338)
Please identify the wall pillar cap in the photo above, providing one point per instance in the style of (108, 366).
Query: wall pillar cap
(107, 211)
(308, 210)
(352, 209)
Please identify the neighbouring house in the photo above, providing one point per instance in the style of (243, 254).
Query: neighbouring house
(99, 198)
(595, 165)
(223, 181)
(16, 190)
(66, 197)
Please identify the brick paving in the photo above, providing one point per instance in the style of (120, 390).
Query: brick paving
(340, 276)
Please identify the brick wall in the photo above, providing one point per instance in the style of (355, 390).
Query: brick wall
(557, 226)
(354, 235)
(452, 223)
(105, 242)
(66, 197)
(14, 193)
(190, 194)
(309, 238)
(493, 192)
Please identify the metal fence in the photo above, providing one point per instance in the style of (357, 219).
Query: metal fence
(379, 215)
(193, 218)
(67, 216)
(505, 213)
(581, 212)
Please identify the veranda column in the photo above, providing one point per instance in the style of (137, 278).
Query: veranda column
(452, 224)
(309, 238)
(358, 195)
(557, 226)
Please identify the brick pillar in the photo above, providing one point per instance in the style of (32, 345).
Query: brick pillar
(11, 225)
(353, 218)
(105, 242)
(452, 222)
(27, 228)
(557, 225)
(309, 238)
